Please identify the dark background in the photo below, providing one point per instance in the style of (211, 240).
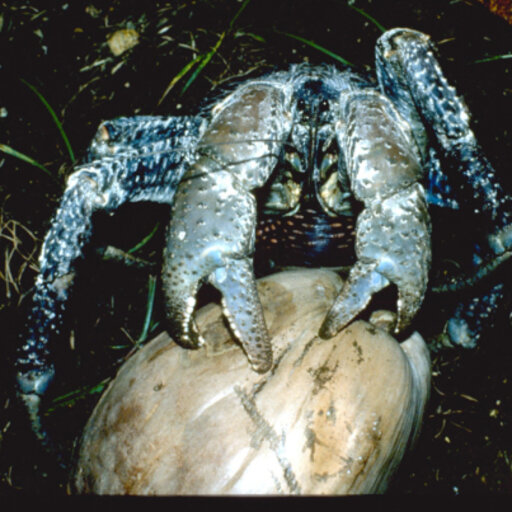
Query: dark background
(60, 48)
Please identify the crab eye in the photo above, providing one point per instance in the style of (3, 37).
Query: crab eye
(324, 106)
(301, 105)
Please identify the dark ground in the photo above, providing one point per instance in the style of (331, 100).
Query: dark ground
(60, 48)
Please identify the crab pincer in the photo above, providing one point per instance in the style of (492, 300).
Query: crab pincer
(214, 219)
(393, 230)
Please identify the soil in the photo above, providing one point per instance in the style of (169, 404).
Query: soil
(61, 49)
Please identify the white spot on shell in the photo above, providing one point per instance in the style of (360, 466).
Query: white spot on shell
(221, 275)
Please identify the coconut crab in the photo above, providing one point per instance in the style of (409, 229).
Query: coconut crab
(320, 158)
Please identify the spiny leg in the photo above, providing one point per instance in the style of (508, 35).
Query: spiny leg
(102, 184)
(409, 73)
(143, 135)
(473, 315)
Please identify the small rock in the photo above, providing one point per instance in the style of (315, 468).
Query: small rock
(123, 40)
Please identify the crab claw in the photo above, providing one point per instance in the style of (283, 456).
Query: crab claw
(393, 230)
(213, 226)
(355, 295)
(212, 240)
(243, 310)
(392, 247)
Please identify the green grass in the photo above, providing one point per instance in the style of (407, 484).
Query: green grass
(55, 119)
(21, 156)
(316, 46)
(145, 240)
(493, 58)
(69, 399)
(382, 28)
(203, 59)
(149, 309)
(8, 150)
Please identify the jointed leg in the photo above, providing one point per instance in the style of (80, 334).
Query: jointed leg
(143, 135)
(409, 73)
(473, 315)
(102, 184)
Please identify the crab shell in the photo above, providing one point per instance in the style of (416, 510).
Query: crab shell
(330, 418)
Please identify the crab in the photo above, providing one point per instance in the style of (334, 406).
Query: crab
(316, 164)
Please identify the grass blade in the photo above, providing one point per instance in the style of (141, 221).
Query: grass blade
(21, 156)
(144, 241)
(69, 399)
(55, 119)
(368, 17)
(149, 309)
(252, 35)
(494, 57)
(318, 47)
(179, 76)
(237, 15)
(206, 58)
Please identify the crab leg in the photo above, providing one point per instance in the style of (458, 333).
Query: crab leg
(149, 170)
(214, 218)
(393, 230)
(409, 73)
